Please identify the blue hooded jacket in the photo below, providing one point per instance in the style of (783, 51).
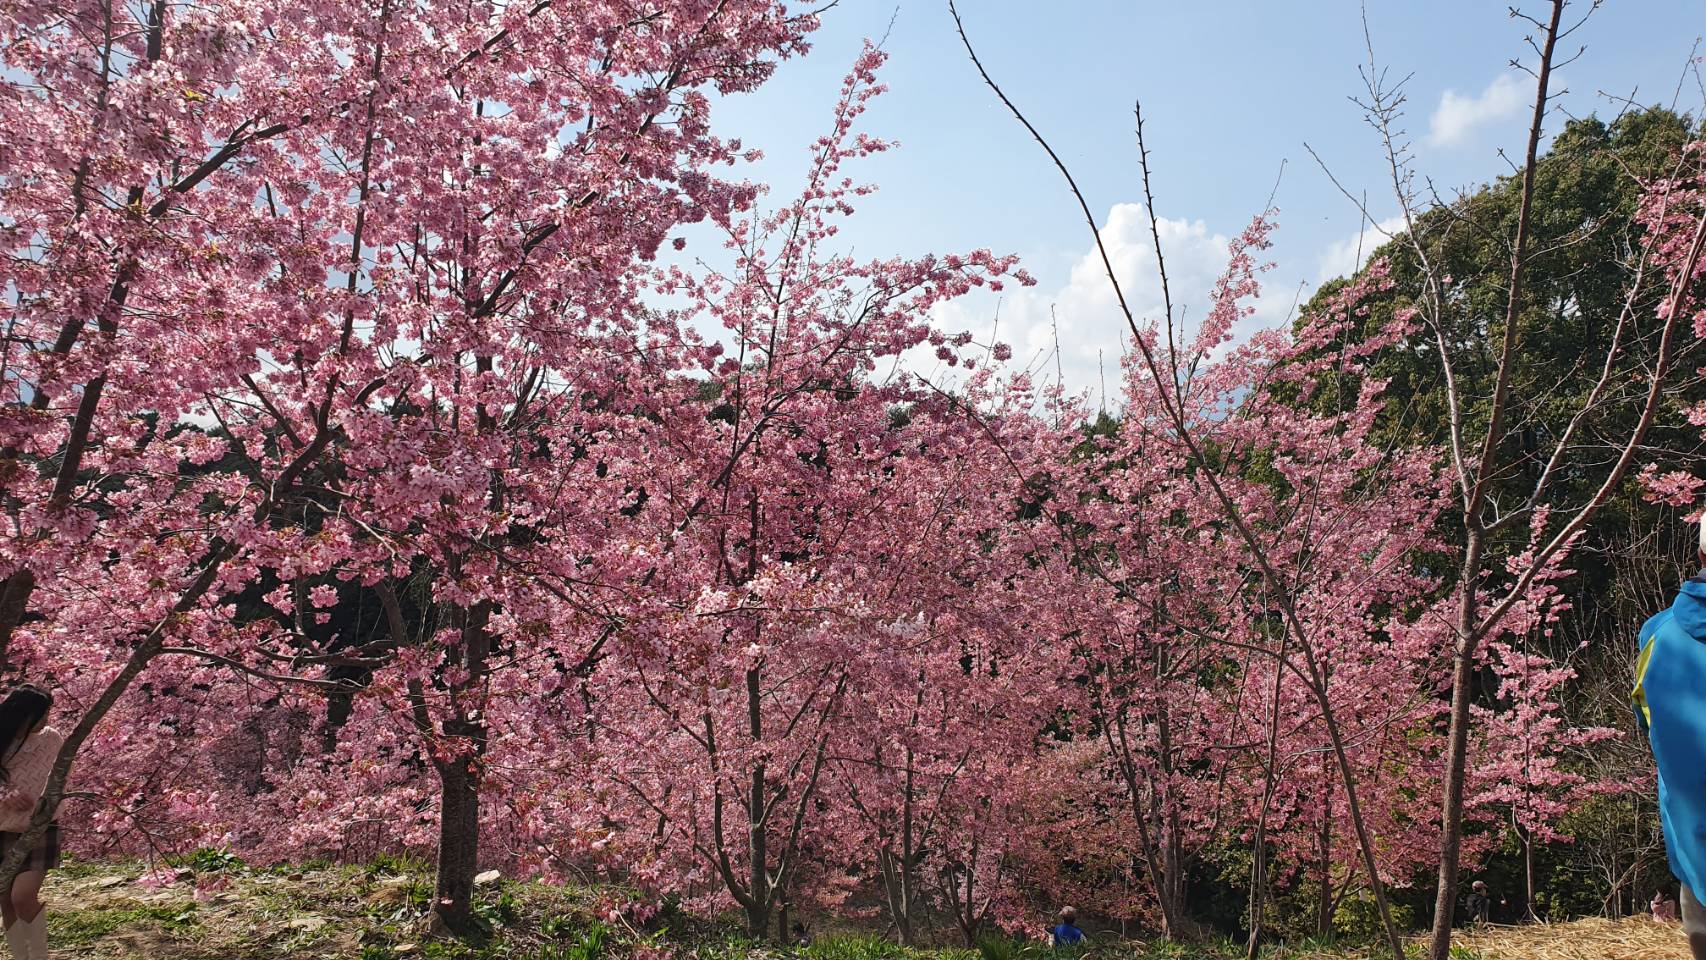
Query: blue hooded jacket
(1670, 698)
(1067, 934)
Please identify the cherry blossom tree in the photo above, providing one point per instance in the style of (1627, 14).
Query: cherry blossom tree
(301, 295)
(804, 497)
(1523, 766)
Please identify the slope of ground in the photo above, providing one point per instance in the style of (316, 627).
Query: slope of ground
(219, 910)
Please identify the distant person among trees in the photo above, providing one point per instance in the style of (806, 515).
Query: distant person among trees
(1479, 908)
(1066, 933)
(1664, 908)
(1670, 702)
(26, 759)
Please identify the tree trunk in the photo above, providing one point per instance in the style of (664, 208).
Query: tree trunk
(1451, 817)
(1171, 888)
(963, 897)
(459, 778)
(1258, 884)
(14, 602)
(1259, 847)
(758, 919)
(1528, 875)
(758, 852)
(1151, 845)
(1173, 867)
(908, 858)
(899, 892)
(458, 847)
(1324, 901)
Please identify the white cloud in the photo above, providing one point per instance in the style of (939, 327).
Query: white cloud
(1092, 331)
(1459, 115)
(1343, 257)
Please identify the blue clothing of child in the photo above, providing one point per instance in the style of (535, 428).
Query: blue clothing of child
(1065, 935)
(1670, 696)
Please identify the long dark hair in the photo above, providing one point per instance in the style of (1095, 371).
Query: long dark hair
(20, 712)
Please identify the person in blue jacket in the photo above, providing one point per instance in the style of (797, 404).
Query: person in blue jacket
(1670, 704)
(1067, 934)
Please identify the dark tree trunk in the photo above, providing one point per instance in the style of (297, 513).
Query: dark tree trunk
(14, 601)
(898, 891)
(963, 896)
(1324, 901)
(1171, 890)
(899, 870)
(758, 920)
(1173, 867)
(458, 847)
(966, 914)
(459, 777)
(1528, 876)
(1451, 822)
(758, 846)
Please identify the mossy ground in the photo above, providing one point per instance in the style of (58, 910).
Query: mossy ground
(222, 910)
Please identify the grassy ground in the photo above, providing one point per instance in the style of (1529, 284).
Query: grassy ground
(223, 911)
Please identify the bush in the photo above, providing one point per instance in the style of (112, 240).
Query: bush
(386, 863)
(590, 945)
(995, 947)
(857, 948)
(1359, 920)
(210, 860)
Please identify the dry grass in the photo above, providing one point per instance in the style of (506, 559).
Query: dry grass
(1590, 939)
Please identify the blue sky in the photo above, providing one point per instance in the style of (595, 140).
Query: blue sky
(1230, 88)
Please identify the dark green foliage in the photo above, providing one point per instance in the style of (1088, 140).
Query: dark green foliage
(1586, 244)
(210, 860)
(590, 944)
(497, 911)
(872, 948)
(389, 864)
(1001, 948)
